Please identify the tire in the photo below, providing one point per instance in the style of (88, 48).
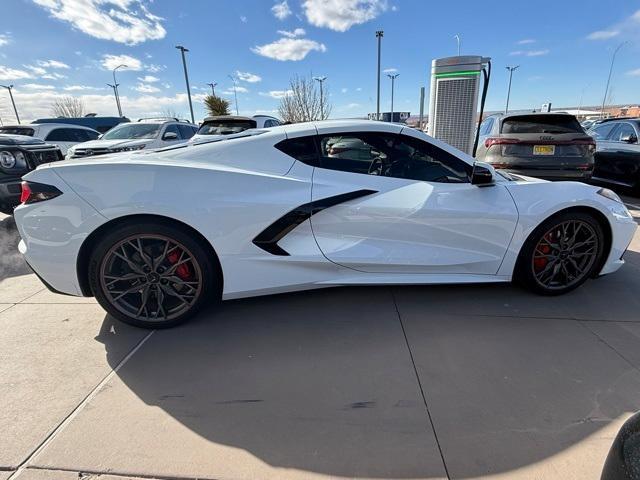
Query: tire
(166, 286)
(542, 254)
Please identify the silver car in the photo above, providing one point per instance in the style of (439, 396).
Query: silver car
(552, 146)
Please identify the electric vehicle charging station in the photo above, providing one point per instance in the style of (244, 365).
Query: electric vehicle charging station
(453, 105)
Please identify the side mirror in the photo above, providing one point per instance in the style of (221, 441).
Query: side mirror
(481, 175)
(170, 136)
(629, 138)
(100, 136)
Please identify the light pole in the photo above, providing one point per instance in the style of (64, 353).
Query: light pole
(115, 88)
(321, 80)
(10, 87)
(213, 88)
(457, 37)
(115, 94)
(606, 90)
(379, 35)
(393, 77)
(511, 70)
(186, 79)
(235, 91)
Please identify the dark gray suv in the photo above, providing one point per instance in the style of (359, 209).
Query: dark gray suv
(552, 146)
(618, 152)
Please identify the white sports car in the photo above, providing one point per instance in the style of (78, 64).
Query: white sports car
(155, 235)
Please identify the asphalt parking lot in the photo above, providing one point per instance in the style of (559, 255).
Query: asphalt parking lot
(402, 383)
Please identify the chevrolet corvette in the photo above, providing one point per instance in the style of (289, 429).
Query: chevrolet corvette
(155, 235)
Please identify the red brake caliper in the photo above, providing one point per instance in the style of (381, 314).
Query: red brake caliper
(183, 271)
(540, 262)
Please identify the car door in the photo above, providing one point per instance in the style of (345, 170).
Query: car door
(604, 166)
(63, 137)
(624, 154)
(407, 207)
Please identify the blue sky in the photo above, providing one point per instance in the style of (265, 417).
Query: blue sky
(65, 47)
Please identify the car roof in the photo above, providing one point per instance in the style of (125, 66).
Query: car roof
(225, 117)
(59, 125)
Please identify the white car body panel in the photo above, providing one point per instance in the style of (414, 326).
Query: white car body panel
(411, 232)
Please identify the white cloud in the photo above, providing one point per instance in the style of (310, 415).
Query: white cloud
(603, 34)
(109, 62)
(243, 19)
(35, 70)
(154, 68)
(281, 10)
(344, 90)
(298, 32)
(293, 49)
(634, 73)
(359, 89)
(341, 15)
(389, 70)
(53, 64)
(145, 88)
(53, 76)
(123, 21)
(239, 89)
(149, 79)
(5, 39)
(276, 93)
(37, 86)
(529, 53)
(248, 77)
(80, 88)
(526, 41)
(8, 73)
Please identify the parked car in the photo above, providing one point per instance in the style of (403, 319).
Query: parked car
(623, 460)
(617, 158)
(145, 133)
(157, 236)
(100, 124)
(61, 134)
(218, 126)
(19, 154)
(552, 146)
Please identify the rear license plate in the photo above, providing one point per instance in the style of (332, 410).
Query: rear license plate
(544, 149)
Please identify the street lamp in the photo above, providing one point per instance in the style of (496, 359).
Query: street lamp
(511, 70)
(10, 87)
(213, 88)
(457, 37)
(393, 77)
(115, 88)
(321, 81)
(379, 35)
(186, 79)
(115, 94)
(606, 90)
(235, 91)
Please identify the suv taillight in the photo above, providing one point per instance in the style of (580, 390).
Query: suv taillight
(33, 192)
(489, 142)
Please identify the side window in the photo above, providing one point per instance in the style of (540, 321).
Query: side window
(486, 126)
(186, 131)
(601, 132)
(172, 128)
(89, 135)
(366, 153)
(302, 149)
(419, 160)
(625, 131)
(61, 135)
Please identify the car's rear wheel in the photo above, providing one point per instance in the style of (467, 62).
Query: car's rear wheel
(151, 275)
(561, 254)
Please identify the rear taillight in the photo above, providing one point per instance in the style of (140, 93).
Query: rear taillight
(500, 141)
(33, 192)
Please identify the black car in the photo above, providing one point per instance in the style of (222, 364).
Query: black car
(19, 155)
(617, 158)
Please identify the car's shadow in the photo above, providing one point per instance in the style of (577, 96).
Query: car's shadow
(322, 381)
(11, 262)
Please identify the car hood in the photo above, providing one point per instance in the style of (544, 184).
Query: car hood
(113, 143)
(19, 140)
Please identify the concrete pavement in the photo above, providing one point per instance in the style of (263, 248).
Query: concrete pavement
(406, 383)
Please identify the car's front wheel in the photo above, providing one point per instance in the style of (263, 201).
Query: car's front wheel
(152, 275)
(561, 254)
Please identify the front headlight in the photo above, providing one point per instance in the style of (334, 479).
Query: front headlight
(7, 160)
(610, 194)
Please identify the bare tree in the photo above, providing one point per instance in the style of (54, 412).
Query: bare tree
(67, 107)
(302, 103)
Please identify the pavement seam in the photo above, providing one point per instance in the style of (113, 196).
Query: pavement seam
(123, 475)
(424, 396)
(78, 408)
(599, 337)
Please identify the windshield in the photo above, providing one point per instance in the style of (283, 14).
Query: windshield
(541, 124)
(225, 127)
(17, 131)
(132, 131)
